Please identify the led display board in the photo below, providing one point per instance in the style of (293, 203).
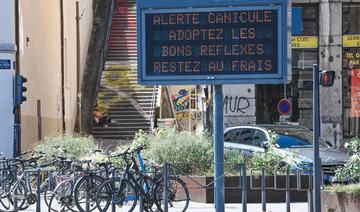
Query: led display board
(212, 42)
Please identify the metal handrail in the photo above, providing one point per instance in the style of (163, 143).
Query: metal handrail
(103, 52)
(153, 99)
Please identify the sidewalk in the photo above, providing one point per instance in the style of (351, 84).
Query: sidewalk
(202, 207)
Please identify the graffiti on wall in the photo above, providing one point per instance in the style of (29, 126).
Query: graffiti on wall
(184, 102)
(236, 104)
(239, 105)
(181, 101)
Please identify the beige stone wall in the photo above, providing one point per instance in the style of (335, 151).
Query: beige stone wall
(40, 62)
(86, 19)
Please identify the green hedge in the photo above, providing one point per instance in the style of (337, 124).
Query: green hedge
(75, 146)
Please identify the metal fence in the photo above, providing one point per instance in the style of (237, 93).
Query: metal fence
(247, 179)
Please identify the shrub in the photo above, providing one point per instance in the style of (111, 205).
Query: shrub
(353, 189)
(74, 146)
(192, 152)
(350, 172)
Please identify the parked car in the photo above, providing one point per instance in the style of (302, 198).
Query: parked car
(291, 139)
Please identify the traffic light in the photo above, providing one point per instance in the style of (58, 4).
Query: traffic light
(327, 78)
(20, 89)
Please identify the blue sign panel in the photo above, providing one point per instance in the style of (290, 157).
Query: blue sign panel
(212, 45)
(297, 25)
(5, 64)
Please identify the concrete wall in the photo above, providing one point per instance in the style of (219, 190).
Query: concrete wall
(40, 62)
(330, 55)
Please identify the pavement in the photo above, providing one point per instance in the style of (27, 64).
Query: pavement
(202, 207)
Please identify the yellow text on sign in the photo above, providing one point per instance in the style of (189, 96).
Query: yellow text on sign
(304, 42)
(351, 40)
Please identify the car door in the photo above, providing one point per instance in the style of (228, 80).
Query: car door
(260, 138)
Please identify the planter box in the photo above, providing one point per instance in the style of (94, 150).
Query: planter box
(339, 202)
(233, 190)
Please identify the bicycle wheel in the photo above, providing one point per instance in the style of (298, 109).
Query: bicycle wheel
(48, 190)
(118, 193)
(85, 192)
(5, 202)
(58, 204)
(62, 197)
(148, 186)
(178, 195)
(12, 190)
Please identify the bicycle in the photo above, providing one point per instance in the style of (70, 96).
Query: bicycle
(16, 192)
(124, 191)
(87, 185)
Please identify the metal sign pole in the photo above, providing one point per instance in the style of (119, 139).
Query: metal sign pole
(316, 131)
(219, 149)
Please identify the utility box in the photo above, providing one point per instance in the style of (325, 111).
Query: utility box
(7, 58)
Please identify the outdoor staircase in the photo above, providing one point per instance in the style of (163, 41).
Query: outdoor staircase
(128, 103)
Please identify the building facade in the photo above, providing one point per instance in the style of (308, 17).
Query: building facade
(49, 55)
(326, 33)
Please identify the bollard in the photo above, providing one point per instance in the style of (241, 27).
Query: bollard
(15, 200)
(15, 195)
(27, 180)
(263, 190)
(165, 194)
(275, 179)
(38, 194)
(87, 207)
(141, 208)
(298, 179)
(287, 181)
(113, 206)
(244, 188)
(251, 179)
(310, 193)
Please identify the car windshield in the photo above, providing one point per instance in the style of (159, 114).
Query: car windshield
(294, 137)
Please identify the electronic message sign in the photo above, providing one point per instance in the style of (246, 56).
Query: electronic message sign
(212, 42)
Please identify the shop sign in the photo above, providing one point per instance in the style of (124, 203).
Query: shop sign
(212, 43)
(5, 64)
(355, 93)
(351, 40)
(353, 59)
(304, 42)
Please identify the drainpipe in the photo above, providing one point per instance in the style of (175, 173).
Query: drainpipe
(62, 66)
(17, 110)
(78, 67)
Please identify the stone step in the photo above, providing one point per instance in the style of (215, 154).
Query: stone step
(115, 137)
(117, 129)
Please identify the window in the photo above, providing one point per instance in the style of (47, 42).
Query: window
(246, 136)
(259, 138)
(351, 69)
(233, 136)
(240, 136)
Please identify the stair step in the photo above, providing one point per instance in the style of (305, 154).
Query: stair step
(122, 123)
(124, 108)
(118, 130)
(109, 131)
(117, 114)
(117, 137)
(134, 97)
(130, 87)
(122, 52)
